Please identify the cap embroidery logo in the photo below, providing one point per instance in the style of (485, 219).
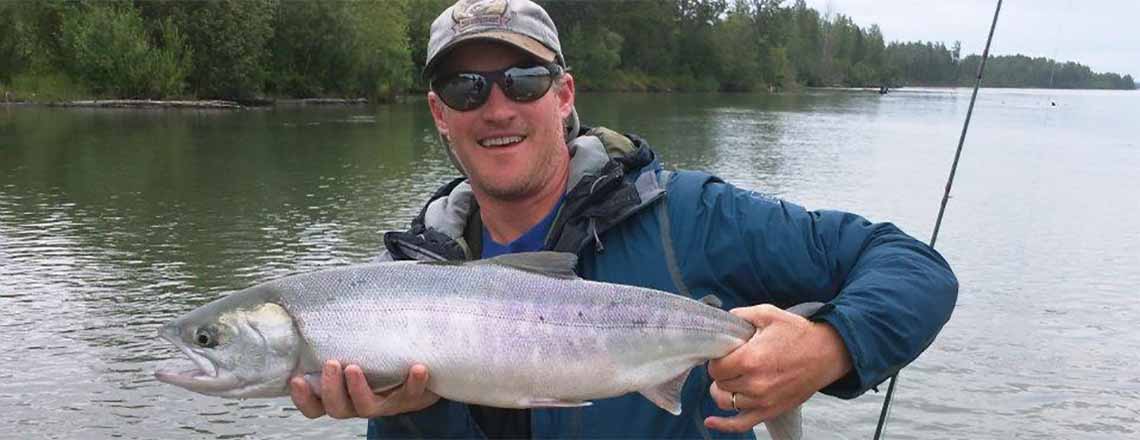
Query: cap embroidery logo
(469, 13)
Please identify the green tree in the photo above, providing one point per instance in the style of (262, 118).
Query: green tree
(738, 53)
(30, 41)
(107, 47)
(805, 48)
(228, 40)
(51, 49)
(651, 33)
(383, 64)
(597, 54)
(311, 48)
(10, 51)
(420, 14)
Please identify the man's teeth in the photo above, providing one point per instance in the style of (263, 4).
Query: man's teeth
(500, 141)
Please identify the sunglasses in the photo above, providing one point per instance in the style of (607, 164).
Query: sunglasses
(465, 91)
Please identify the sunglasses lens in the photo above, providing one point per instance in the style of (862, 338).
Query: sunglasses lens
(464, 91)
(468, 91)
(526, 84)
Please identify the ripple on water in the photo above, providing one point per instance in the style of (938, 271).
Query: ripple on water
(92, 263)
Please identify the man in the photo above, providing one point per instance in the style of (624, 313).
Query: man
(502, 101)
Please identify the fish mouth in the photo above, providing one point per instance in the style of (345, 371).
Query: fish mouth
(183, 378)
(198, 381)
(204, 378)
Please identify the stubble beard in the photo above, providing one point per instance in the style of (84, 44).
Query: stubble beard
(536, 175)
(520, 187)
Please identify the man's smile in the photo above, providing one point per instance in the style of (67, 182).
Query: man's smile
(500, 141)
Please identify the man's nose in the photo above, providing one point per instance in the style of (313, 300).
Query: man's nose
(498, 107)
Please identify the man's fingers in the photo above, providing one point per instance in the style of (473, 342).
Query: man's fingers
(742, 384)
(723, 399)
(417, 381)
(333, 394)
(364, 401)
(760, 316)
(367, 403)
(345, 393)
(742, 422)
(731, 366)
(304, 399)
(751, 410)
(736, 364)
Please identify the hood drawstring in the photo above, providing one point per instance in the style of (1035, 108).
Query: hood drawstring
(597, 240)
(593, 227)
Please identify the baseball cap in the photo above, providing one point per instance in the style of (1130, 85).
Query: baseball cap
(520, 23)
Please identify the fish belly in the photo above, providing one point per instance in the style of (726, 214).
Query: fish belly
(510, 339)
(504, 358)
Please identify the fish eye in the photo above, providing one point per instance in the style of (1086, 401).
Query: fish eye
(206, 337)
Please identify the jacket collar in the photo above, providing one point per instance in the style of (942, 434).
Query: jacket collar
(612, 176)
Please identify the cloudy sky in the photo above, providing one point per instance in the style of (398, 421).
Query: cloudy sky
(1104, 34)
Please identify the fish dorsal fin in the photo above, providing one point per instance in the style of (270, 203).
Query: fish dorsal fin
(668, 395)
(712, 300)
(554, 264)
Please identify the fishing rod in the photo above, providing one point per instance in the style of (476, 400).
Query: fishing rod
(945, 198)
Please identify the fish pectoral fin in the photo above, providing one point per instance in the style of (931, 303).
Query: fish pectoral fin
(379, 385)
(668, 395)
(786, 426)
(314, 381)
(385, 387)
(542, 402)
(552, 264)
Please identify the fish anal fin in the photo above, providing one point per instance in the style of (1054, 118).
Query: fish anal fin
(668, 395)
(806, 309)
(786, 426)
(553, 264)
(541, 402)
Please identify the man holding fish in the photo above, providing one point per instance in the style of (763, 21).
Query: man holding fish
(503, 103)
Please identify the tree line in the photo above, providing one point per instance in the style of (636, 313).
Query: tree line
(251, 49)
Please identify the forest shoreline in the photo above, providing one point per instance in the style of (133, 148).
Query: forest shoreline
(217, 104)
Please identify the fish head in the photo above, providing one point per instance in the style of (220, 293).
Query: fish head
(241, 345)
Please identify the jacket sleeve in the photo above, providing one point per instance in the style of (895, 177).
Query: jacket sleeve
(887, 294)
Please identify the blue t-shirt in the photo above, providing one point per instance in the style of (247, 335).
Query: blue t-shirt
(531, 241)
(503, 422)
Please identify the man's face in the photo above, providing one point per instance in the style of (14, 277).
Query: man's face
(510, 150)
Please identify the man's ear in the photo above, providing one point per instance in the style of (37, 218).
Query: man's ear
(437, 110)
(566, 96)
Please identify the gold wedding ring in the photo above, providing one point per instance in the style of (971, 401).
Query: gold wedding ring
(734, 403)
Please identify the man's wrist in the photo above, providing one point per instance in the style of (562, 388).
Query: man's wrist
(832, 352)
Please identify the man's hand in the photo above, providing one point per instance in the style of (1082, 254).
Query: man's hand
(786, 361)
(346, 394)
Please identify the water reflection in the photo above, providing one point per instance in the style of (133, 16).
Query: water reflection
(113, 222)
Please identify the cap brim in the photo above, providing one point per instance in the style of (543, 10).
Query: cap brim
(522, 42)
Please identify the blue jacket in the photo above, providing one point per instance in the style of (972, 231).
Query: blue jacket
(887, 294)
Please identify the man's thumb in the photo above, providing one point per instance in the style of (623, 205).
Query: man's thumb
(759, 316)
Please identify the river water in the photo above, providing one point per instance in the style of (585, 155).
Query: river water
(115, 221)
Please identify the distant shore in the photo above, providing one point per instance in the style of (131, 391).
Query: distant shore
(206, 104)
(215, 104)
